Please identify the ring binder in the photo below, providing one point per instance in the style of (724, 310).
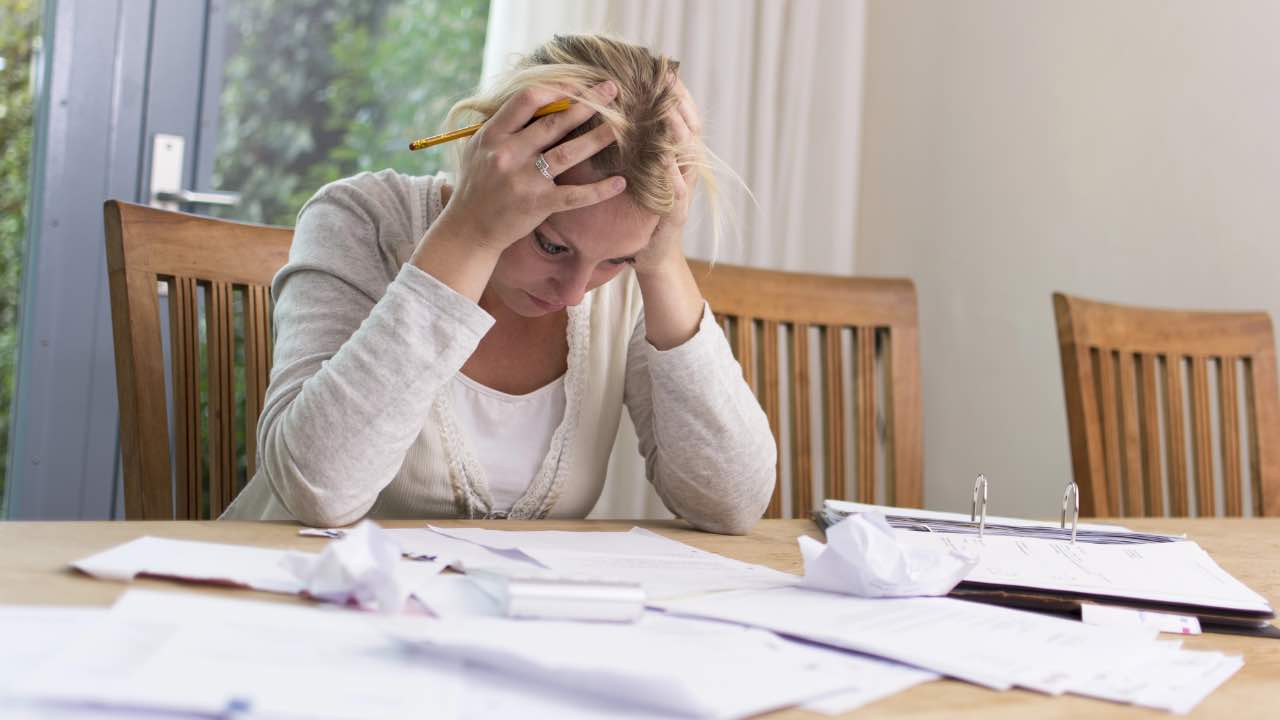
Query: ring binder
(1072, 491)
(981, 481)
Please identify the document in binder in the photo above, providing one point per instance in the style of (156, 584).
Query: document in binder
(1022, 564)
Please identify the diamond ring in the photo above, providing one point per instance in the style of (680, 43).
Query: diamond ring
(540, 162)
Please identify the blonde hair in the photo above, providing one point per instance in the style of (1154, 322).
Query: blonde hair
(572, 64)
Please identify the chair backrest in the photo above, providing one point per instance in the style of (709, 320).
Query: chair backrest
(1131, 374)
(190, 261)
(874, 320)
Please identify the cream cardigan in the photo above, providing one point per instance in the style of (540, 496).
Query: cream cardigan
(356, 423)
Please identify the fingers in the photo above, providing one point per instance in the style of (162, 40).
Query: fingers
(687, 109)
(516, 112)
(550, 128)
(566, 155)
(684, 138)
(570, 197)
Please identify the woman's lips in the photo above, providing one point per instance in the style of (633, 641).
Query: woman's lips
(543, 304)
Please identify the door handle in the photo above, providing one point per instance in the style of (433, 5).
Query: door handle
(167, 193)
(198, 198)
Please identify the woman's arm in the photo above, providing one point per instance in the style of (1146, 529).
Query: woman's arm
(356, 369)
(706, 442)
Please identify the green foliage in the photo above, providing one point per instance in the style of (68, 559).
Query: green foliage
(320, 89)
(19, 28)
(316, 90)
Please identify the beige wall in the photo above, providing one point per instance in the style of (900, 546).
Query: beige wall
(1127, 151)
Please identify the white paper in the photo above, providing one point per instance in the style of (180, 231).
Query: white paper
(1174, 680)
(455, 596)
(490, 694)
(636, 541)
(855, 507)
(988, 645)
(30, 635)
(200, 654)
(863, 557)
(242, 565)
(458, 553)
(1111, 616)
(361, 568)
(666, 568)
(1176, 572)
(665, 664)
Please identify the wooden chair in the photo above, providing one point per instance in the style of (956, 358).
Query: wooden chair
(1124, 370)
(878, 317)
(224, 266)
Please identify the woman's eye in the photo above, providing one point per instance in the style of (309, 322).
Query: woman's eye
(548, 248)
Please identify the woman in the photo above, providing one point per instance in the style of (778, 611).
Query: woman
(466, 350)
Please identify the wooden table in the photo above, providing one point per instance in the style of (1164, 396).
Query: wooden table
(34, 558)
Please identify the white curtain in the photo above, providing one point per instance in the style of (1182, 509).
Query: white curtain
(779, 85)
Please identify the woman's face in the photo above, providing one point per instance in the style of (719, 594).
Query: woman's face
(572, 252)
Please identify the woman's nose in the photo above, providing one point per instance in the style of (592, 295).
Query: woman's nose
(572, 286)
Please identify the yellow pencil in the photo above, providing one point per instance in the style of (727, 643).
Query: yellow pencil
(555, 107)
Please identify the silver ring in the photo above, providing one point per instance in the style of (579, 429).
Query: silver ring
(540, 162)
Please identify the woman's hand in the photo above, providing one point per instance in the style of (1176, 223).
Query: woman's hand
(501, 194)
(672, 302)
(666, 245)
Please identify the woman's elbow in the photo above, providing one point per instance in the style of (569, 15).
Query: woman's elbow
(310, 496)
(746, 499)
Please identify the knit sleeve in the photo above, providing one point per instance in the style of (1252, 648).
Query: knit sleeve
(705, 440)
(361, 352)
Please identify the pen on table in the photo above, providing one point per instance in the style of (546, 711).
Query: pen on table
(555, 107)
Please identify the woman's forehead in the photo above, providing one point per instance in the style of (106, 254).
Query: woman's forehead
(617, 227)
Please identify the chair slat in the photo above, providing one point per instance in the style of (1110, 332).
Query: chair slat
(744, 348)
(1229, 442)
(1153, 478)
(769, 399)
(1132, 456)
(833, 406)
(865, 400)
(903, 419)
(220, 349)
(1175, 436)
(1264, 426)
(1111, 437)
(184, 340)
(257, 368)
(801, 468)
(1201, 438)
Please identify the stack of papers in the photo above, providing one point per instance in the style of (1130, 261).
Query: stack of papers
(1175, 573)
(665, 664)
(991, 646)
(176, 653)
(663, 566)
(722, 638)
(184, 653)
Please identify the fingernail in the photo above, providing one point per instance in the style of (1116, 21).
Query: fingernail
(619, 183)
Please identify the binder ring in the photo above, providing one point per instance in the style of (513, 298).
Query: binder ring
(1072, 493)
(981, 482)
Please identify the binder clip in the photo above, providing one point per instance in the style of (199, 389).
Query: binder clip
(1072, 493)
(981, 482)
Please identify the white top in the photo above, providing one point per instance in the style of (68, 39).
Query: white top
(508, 434)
